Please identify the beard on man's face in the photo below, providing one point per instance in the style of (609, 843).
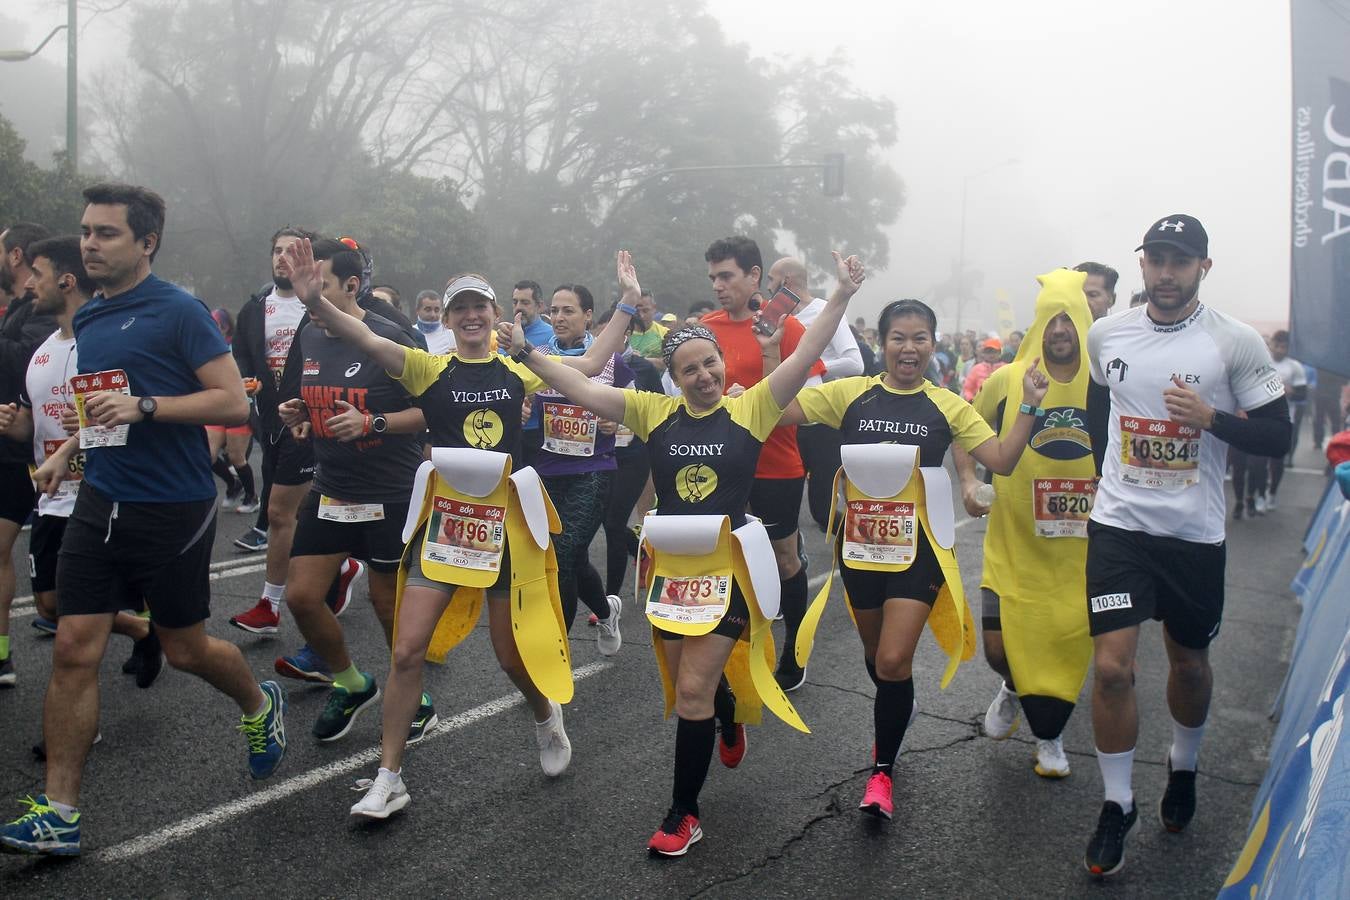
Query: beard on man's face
(282, 282)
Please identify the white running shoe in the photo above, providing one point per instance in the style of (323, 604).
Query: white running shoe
(386, 795)
(555, 751)
(1050, 759)
(1271, 504)
(1260, 504)
(1000, 720)
(608, 640)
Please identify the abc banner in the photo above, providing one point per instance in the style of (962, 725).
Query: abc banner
(1320, 252)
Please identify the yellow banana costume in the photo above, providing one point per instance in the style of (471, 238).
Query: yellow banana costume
(467, 508)
(1035, 549)
(695, 561)
(882, 478)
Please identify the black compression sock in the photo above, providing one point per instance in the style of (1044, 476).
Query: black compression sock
(245, 473)
(724, 708)
(793, 605)
(693, 755)
(222, 469)
(890, 717)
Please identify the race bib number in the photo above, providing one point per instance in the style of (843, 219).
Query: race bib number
(879, 531)
(92, 435)
(1062, 506)
(464, 534)
(569, 430)
(1158, 453)
(695, 600)
(334, 510)
(623, 436)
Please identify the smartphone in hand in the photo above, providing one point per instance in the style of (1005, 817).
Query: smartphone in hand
(772, 312)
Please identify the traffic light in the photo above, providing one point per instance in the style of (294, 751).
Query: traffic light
(833, 181)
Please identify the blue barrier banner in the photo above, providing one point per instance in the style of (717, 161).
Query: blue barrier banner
(1298, 843)
(1320, 240)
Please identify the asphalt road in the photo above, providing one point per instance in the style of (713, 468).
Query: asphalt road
(169, 809)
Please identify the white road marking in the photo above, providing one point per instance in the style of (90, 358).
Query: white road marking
(213, 818)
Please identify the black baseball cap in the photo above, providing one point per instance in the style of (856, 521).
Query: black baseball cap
(1181, 231)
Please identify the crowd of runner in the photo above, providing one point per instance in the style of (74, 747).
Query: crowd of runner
(466, 453)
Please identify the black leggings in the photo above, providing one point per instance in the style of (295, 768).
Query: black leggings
(580, 501)
(620, 542)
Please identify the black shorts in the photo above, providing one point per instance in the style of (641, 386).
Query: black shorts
(921, 581)
(734, 620)
(1132, 576)
(288, 462)
(158, 551)
(777, 502)
(44, 546)
(379, 543)
(17, 494)
(990, 616)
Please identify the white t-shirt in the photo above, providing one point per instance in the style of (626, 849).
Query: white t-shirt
(841, 357)
(281, 316)
(439, 342)
(46, 392)
(1292, 374)
(1166, 480)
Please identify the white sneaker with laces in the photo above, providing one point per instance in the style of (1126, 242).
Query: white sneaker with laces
(386, 795)
(1271, 503)
(555, 751)
(1260, 504)
(608, 640)
(1050, 759)
(1000, 720)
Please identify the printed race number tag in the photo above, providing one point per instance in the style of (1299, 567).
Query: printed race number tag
(569, 430)
(879, 531)
(695, 600)
(92, 435)
(623, 436)
(1062, 505)
(1158, 453)
(466, 535)
(334, 510)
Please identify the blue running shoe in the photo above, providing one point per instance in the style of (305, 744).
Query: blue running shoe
(304, 665)
(43, 625)
(41, 830)
(267, 733)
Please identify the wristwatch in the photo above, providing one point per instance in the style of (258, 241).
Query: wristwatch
(148, 407)
(379, 424)
(1031, 410)
(523, 353)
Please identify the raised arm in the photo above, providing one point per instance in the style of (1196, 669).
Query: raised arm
(1001, 456)
(605, 401)
(307, 280)
(786, 380)
(610, 339)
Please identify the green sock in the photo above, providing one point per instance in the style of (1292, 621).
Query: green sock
(352, 680)
(258, 716)
(4, 646)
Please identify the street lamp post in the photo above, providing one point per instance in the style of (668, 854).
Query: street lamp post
(72, 149)
(961, 252)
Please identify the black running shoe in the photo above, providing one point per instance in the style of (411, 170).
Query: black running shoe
(789, 675)
(152, 659)
(1106, 851)
(1177, 807)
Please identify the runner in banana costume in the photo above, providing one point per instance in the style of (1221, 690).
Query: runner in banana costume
(715, 584)
(476, 530)
(895, 542)
(1035, 549)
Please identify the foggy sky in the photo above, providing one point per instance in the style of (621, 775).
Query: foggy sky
(1115, 115)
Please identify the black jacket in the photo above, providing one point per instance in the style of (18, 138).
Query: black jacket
(21, 333)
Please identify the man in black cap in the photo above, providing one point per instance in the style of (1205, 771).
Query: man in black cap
(1177, 371)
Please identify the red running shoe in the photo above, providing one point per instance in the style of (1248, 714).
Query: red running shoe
(351, 570)
(876, 799)
(733, 753)
(261, 619)
(676, 835)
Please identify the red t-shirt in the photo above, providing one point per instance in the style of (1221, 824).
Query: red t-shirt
(745, 366)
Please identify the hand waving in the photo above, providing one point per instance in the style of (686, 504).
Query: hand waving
(299, 265)
(628, 280)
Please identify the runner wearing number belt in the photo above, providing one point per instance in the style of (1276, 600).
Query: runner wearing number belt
(915, 582)
(472, 399)
(704, 448)
(576, 461)
(1178, 371)
(367, 446)
(1034, 622)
